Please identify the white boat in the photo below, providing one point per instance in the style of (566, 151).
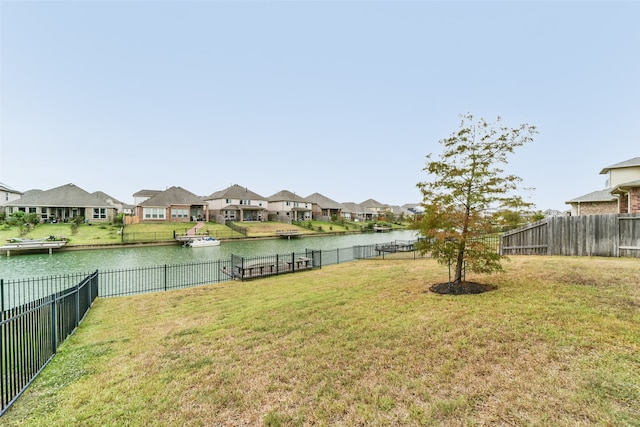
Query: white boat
(203, 241)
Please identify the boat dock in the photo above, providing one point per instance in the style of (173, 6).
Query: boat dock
(288, 234)
(397, 246)
(19, 245)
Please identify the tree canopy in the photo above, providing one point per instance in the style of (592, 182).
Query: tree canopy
(468, 187)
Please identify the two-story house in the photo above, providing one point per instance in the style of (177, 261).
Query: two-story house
(621, 195)
(8, 194)
(175, 204)
(285, 206)
(325, 209)
(236, 203)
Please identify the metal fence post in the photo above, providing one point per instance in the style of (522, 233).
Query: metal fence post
(165, 277)
(54, 327)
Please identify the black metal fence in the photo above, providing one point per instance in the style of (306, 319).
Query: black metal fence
(30, 333)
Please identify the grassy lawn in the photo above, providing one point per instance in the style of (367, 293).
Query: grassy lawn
(95, 234)
(101, 234)
(360, 343)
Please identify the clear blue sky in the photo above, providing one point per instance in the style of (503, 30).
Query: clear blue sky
(341, 98)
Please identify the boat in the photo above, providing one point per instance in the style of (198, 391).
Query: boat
(203, 241)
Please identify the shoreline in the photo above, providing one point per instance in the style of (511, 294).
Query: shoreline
(175, 242)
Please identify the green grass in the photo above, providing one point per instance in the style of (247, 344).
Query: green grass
(106, 234)
(361, 343)
(94, 234)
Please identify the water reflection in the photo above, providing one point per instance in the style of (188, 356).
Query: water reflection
(36, 265)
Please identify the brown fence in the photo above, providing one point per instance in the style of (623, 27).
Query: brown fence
(613, 235)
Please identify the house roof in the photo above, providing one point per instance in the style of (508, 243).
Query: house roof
(146, 193)
(371, 203)
(5, 187)
(285, 196)
(173, 196)
(595, 196)
(324, 202)
(68, 195)
(235, 192)
(635, 162)
(626, 186)
(355, 208)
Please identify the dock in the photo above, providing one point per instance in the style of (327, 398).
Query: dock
(394, 247)
(19, 245)
(288, 234)
(381, 229)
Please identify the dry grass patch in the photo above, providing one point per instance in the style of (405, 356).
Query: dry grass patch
(362, 343)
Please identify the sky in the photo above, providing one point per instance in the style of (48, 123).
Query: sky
(343, 98)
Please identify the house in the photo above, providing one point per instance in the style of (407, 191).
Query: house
(622, 194)
(120, 206)
(62, 204)
(174, 204)
(143, 195)
(236, 203)
(285, 206)
(323, 208)
(356, 212)
(8, 194)
(376, 207)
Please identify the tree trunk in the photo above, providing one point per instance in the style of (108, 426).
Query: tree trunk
(459, 264)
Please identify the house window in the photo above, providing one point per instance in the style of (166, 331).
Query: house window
(99, 213)
(32, 210)
(228, 201)
(153, 213)
(179, 213)
(245, 202)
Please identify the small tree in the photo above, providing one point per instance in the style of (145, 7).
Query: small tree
(468, 186)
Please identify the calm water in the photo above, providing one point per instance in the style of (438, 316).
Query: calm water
(37, 265)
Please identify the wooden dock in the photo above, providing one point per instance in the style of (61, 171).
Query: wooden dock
(288, 234)
(18, 245)
(256, 270)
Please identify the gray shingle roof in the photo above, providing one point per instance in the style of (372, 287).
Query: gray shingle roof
(354, 208)
(68, 195)
(595, 196)
(235, 192)
(5, 187)
(147, 193)
(323, 201)
(173, 196)
(285, 196)
(635, 162)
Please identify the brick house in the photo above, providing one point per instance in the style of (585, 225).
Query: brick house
(622, 194)
(174, 204)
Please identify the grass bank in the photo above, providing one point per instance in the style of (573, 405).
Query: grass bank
(98, 234)
(360, 343)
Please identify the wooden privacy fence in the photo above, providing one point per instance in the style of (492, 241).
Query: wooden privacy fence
(613, 235)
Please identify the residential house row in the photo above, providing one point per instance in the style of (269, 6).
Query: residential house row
(175, 204)
(238, 203)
